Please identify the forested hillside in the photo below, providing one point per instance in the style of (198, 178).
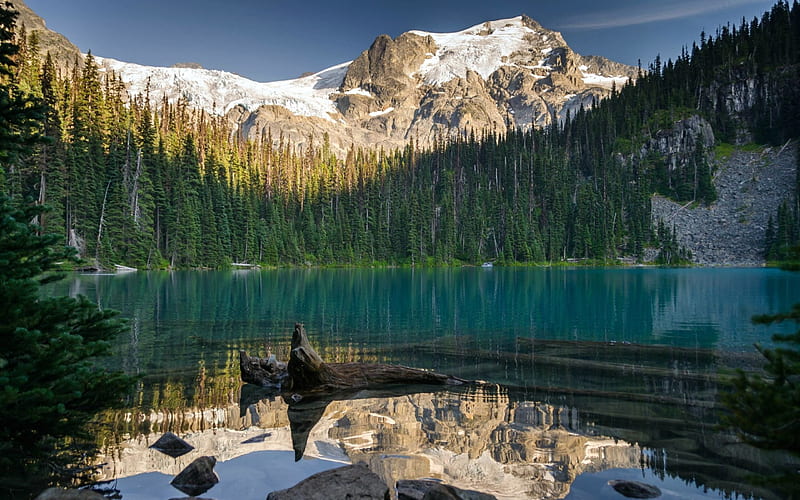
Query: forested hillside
(135, 180)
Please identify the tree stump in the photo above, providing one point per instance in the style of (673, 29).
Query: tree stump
(307, 372)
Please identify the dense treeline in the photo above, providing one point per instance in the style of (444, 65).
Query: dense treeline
(143, 182)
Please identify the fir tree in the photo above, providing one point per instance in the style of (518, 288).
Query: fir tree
(50, 387)
(765, 410)
(20, 113)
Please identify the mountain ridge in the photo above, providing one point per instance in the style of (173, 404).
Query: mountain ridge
(418, 86)
(61, 49)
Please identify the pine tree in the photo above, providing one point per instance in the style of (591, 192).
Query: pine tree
(765, 410)
(50, 387)
(20, 113)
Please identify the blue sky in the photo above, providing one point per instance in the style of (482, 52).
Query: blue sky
(278, 39)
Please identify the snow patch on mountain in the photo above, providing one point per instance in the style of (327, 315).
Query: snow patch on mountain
(595, 80)
(382, 112)
(359, 91)
(218, 91)
(482, 48)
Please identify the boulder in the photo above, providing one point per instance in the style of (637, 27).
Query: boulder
(635, 489)
(421, 489)
(198, 477)
(351, 481)
(172, 445)
(63, 494)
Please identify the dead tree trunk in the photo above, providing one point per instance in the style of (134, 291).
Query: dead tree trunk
(307, 372)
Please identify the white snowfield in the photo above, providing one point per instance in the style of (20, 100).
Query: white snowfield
(218, 91)
(483, 48)
(595, 80)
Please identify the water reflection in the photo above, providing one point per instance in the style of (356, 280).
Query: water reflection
(476, 440)
(513, 442)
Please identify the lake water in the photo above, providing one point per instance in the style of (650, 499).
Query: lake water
(592, 375)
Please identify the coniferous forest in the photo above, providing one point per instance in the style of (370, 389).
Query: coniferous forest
(138, 181)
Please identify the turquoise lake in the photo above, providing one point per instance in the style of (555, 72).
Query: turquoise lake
(629, 355)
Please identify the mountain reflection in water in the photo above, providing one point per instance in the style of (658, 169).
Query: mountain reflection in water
(594, 410)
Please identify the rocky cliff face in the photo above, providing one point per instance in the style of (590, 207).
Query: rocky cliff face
(678, 144)
(750, 186)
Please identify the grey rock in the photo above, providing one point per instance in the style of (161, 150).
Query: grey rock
(634, 489)
(384, 101)
(198, 477)
(63, 52)
(170, 444)
(349, 482)
(63, 494)
(421, 489)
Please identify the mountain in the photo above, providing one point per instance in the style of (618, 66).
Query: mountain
(418, 86)
(506, 72)
(63, 52)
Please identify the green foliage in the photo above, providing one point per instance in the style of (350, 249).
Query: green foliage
(20, 115)
(670, 253)
(765, 410)
(50, 388)
(783, 234)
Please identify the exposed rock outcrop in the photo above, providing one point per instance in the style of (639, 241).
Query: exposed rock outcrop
(170, 444)
(635, 489)
(433, 490)
(510, 72)
(198, 477)
(351, 481)
(678, 144)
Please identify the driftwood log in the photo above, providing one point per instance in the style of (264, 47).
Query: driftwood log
(307, 372)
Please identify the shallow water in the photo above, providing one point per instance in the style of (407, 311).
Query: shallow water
(601, 373)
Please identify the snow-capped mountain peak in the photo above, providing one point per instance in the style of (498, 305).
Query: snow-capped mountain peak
(483, 48)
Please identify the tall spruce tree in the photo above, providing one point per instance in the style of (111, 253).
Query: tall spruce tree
(49, 386)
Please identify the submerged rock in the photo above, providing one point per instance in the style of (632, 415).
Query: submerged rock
(172, 445)
(62, 494)
(351, 481)
(420, 489)
(198, 477)
(635, 489)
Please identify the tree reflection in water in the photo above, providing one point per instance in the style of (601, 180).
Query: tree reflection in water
(490, 438)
